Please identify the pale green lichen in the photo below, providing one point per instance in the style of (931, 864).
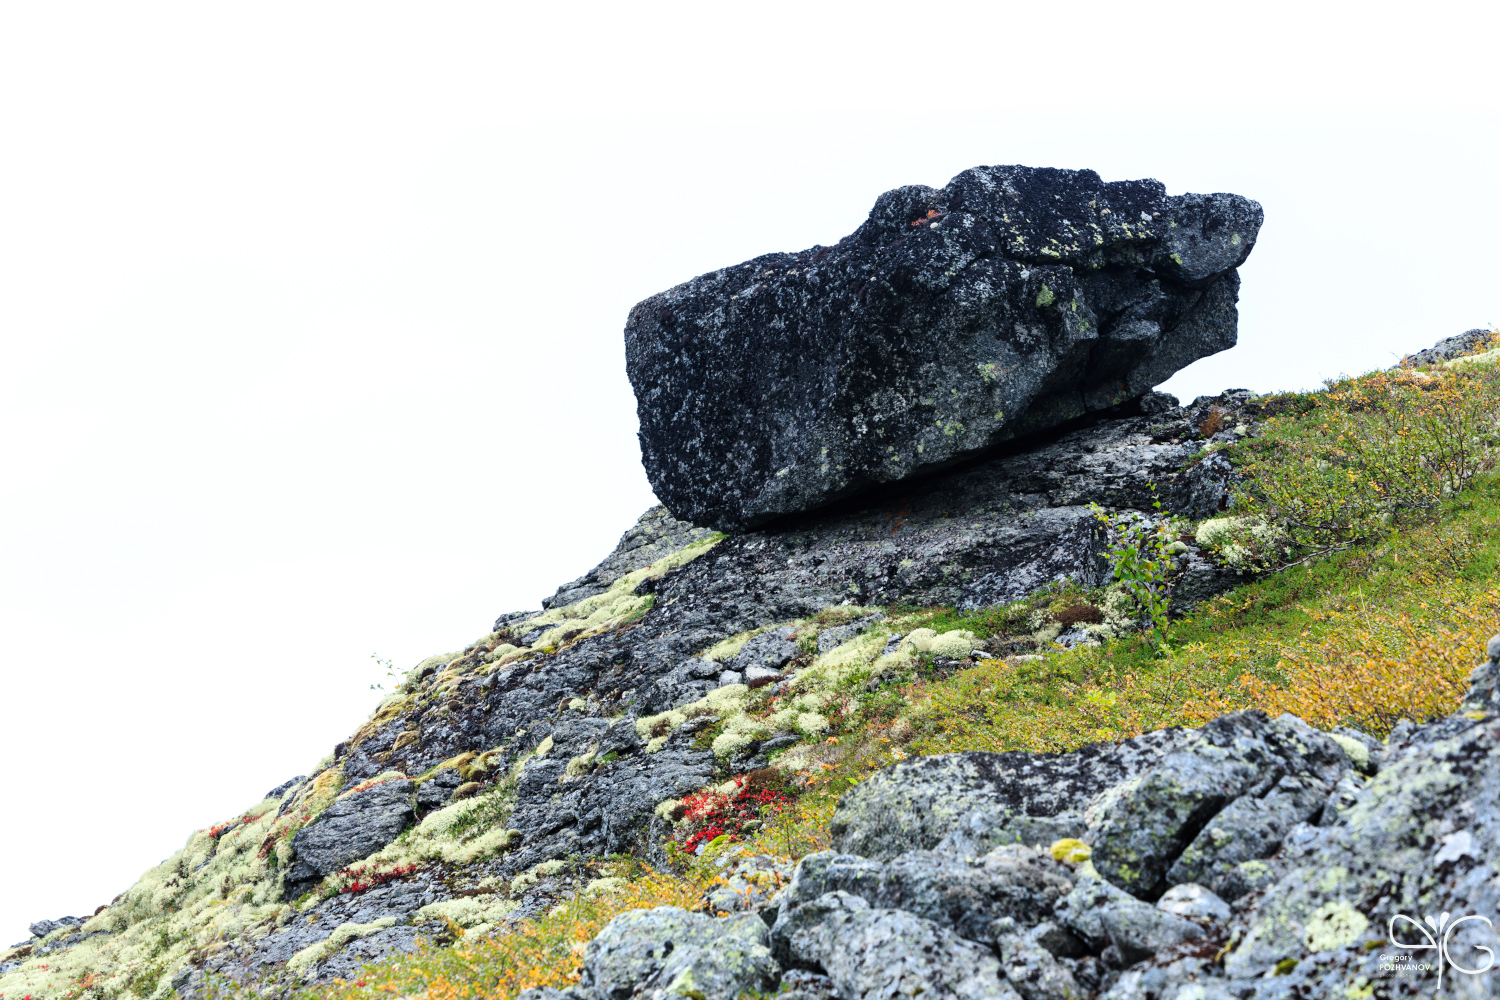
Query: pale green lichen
(1332, 926)
(1240, 542)
(470, 911)
(953, 645)
(1359, 754)
(834, 669)
(305, 960)
(613, 607)
(1333, 878)
(214, 889)
(1484, 358)
(438, 836)
(534, 874)
(580, 765)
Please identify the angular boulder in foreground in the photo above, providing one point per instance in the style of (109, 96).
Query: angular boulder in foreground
(1010, 301)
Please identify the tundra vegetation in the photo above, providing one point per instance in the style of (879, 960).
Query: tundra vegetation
(1366, 519)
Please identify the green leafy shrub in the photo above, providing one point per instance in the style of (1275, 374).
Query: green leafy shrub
(1141, 560)
(1365, 452)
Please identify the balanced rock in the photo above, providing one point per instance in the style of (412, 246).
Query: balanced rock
(1010, 301)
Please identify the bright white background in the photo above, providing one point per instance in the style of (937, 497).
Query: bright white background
(310, 313)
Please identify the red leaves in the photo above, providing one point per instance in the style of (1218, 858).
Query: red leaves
(379, 878)
(218, 831)
(715, 814)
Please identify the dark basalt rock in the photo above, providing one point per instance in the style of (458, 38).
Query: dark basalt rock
(353, 827)
(655, 534)
(1010, 301)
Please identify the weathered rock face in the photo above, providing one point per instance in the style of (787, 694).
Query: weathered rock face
(1421, 839)
(1271, 774)
(672, 952)
(965, 895)
(1010, 301)
(989, 799)
(655, 533)
(870, 952)
(352, 828)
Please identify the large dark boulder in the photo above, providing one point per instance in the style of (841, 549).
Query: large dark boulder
(1012, 300)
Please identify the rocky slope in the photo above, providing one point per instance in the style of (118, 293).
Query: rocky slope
(1253, 857)
(1180, 860)
(562, 731)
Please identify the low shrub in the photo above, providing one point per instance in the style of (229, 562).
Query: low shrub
(1368, 450)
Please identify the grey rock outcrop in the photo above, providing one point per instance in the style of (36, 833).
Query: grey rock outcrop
(669, 952)
(1187, 899)
(1450, 347)
(1008, 302)
(1421, 841)
(354, 827)
(286, 786)
(684, 684)
(796, 936)
(870, 952)
(1011, 882)
(833, 637)
(764, 655)
(1170, 813)
(655, 533)
(44, 927)
(1484, 691)
(1032, 969)
(1104, 916)
(1019, 797)
(1247, 829)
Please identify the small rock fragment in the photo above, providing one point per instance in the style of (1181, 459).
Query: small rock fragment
(1191, 900)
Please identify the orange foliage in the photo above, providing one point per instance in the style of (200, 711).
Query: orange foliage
(1372, 670)
(547, 951)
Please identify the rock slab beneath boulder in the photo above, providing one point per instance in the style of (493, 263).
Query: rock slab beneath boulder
(1010, 301)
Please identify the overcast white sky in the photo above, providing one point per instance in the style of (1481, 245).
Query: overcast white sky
(310, 314)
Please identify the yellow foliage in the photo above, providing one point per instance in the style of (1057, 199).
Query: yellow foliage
(546, 951)
(1374, 668)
